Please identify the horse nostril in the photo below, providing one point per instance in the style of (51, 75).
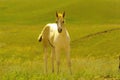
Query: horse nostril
(59, 30)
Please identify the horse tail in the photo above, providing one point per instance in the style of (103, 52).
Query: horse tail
(44, 34)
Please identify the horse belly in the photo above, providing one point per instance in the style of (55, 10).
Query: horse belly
(52, 36)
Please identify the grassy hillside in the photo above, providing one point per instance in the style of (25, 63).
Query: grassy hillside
(42, 11)
(94, 56)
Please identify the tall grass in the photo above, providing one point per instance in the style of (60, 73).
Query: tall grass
(21, 56)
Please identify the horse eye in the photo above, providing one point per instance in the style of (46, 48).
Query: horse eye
(62, 21)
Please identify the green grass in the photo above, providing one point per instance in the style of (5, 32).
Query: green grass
(78, 11)
(21, 55)
(93, 58)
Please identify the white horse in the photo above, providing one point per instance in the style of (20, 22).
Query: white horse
(56, 35)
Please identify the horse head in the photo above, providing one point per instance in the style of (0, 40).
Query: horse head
(60, 21)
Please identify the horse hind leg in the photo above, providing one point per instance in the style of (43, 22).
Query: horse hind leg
(45, 59)
(53, 58)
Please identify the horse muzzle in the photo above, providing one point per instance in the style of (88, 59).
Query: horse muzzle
(59, 30)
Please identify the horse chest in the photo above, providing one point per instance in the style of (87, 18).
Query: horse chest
(61, 40)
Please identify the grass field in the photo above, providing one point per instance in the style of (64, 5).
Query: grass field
(94, 57)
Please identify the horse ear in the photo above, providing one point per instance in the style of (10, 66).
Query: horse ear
(64, 14)
(56, 14)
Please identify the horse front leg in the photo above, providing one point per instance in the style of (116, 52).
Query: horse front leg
(57, 51)
(67, 49)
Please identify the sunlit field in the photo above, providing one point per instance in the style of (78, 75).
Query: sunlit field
(94, 27)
